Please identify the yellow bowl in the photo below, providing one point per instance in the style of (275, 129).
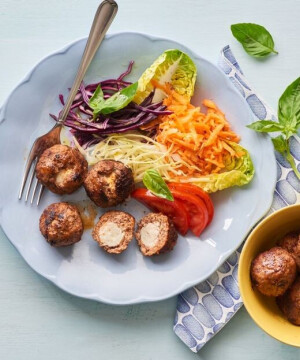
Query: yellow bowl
(263, 309)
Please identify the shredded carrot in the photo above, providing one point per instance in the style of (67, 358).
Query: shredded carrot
(200, 139)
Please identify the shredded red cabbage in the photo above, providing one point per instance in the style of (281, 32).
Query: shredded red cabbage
(89, 131)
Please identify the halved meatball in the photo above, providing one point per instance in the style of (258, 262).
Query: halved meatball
(273, 271)
(289, 303)
(109, 183)
(61, 169)
(155, 234)
(61, 224)
(291, 242)
(114, 231)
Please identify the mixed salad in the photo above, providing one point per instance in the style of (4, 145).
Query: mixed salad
(180, 151)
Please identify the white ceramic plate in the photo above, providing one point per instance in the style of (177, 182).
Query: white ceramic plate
(84, 269)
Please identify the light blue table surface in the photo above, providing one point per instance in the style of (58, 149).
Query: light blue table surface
(39, 321)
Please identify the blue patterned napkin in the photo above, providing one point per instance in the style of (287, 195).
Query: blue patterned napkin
(205, 308)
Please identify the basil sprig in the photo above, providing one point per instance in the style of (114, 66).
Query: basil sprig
(155, 183)
(256, 40)
(97, 100)
(116, 102)
(288, 122)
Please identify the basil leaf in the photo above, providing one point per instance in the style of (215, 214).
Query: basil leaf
(256, 40)
(97, 99)
(289, 107)
(280, 144)
(266, 126)
(289, 121)
(155, 183)
(117, 101)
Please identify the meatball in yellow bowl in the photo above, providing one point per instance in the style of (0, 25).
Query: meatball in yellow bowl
(269, 278)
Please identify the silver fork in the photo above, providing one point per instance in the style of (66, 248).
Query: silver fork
(103, 18)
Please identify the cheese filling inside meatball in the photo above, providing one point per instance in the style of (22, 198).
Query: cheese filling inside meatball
(150, 233)
(155, 234)
(62, 176)
(114, 231)
(111, 234)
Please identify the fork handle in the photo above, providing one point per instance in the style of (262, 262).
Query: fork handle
(104, 16)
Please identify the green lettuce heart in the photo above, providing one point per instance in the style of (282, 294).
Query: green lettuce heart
(172, 66)
(238, 172)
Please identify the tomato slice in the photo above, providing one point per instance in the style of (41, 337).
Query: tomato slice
(196, 190)
(196, 209)
(175, 210)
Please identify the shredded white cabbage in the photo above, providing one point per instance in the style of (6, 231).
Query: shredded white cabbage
(136, 151)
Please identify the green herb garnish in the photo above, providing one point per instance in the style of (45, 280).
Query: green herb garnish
(256, 40)
(97, 100)
(288, 122)
(116, 102)
(155, 183)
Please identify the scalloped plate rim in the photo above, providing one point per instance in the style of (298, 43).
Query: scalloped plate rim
(254, 219)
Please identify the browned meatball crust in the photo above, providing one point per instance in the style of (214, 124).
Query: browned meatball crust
(289, 303)
(109, 183)
(61, 169)
(155, 234)
(114, 231)
(273, 271)
(291, 242)
(61, 224)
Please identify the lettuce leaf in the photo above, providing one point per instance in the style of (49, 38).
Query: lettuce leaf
(238, 172)
(173, 66)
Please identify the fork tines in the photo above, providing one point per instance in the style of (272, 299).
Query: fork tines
(30, 170)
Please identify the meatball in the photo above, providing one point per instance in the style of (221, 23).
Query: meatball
(155, 234)
(289, 303)
(61, 169)
(273, 271)
(291, 242)
(61, 224)
(114, 231)
(109, 183)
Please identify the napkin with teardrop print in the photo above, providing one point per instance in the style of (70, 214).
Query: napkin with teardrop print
(204, 309)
